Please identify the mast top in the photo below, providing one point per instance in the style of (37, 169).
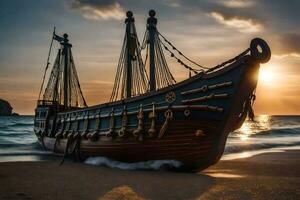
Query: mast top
(151, 21)
(62, 40)
(66, 40)
(152, 13)
(129, 16)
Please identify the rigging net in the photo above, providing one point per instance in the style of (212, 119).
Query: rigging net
(131, 78)
(63, 86)
(163, 75)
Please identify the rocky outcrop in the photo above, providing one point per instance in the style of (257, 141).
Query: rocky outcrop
(6, 109)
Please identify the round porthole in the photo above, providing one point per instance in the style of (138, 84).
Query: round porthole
(187, 113)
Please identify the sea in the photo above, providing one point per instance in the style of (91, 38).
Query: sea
(265, 134)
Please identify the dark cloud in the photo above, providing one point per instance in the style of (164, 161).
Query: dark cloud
(97, 10)
(276, 15)
(287, 43)
(244, 24)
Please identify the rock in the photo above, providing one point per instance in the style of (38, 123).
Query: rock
(6, 109)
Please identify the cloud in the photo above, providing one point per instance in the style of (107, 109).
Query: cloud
(290, 43)
(99, 82)
(99, 10)
(241, 23)
(286, 45)
(238, 3)
(173, 3)
(288, 55)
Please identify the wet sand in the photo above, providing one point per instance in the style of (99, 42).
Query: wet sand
(264, 176)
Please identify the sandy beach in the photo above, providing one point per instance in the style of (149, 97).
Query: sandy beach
(264, 176)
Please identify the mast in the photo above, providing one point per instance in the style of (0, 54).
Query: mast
(151, 26)
(66, 77)
(129, 20)
(63, 85)
(131, 77)
(66, 71)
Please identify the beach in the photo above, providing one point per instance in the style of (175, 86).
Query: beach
(265, 176)
(272, 171)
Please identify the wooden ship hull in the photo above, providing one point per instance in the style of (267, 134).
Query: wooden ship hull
(188, 121)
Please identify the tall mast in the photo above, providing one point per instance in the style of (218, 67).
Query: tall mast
(66, 78)
(63, 85)
(151, 26)
(129, 21)
(131, 77)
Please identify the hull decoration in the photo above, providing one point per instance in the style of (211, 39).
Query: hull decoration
(149, 116)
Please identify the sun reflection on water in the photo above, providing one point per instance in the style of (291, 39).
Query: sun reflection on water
(261, 123)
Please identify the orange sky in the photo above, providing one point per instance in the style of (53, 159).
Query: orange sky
(209, 32)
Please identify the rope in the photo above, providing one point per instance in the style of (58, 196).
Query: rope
(163, 76)
(47, 65)
(55, 143)
(54, 90)
(196, 70)
(180, 53)
(229, 61)
(139, 78)
(179, 61)
(250, 103)
(76, 150)
(169, 117)
(66, 151)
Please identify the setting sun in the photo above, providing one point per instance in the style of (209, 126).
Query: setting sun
(266, 75)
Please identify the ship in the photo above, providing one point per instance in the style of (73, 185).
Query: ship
(150, 116)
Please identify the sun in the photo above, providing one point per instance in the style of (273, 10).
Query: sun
(266, 75)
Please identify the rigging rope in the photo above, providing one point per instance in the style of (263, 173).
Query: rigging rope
(203, 69)
(163, 76)
(179, 60)
(63, 80)
(180, 53)
(47, 65)
(139, 78)
(229, 61)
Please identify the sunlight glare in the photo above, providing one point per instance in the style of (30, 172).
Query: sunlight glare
(262, 123)
(266, 75)
(245, 131)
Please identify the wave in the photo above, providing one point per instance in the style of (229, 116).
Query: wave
(275, 131)
(17, 124)
(280, 132)
(257, 146)
(15, 134)
(29, 145)
(27, 153)
(146, 165)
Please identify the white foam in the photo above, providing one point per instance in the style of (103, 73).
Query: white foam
(248, 154)
(146, 165)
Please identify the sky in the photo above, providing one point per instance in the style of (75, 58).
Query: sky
(208, 31)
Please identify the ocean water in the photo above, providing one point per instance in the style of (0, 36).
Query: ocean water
(267, 134)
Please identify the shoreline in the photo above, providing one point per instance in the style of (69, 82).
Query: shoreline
(263, 176)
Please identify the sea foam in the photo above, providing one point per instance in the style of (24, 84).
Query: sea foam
(146, 165)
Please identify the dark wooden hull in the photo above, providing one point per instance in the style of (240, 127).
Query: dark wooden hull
(205, 109)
